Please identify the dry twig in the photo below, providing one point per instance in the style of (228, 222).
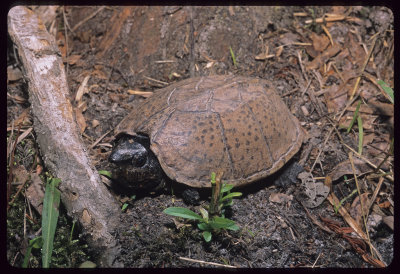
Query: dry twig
(204, 262)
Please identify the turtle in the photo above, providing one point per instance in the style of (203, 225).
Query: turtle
(235, 125)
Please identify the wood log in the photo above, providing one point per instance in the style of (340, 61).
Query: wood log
(85, 197)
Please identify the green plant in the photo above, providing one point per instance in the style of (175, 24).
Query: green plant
(50, 214)
(336, 207)
(233, 57)
(388, 90)
(34, 243)
(213, 219)
(360, 127)
(105, 173)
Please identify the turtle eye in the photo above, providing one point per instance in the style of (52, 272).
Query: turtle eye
(139, 159)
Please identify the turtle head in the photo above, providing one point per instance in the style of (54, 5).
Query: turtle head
(136, 165)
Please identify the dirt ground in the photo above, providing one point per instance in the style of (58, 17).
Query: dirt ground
(314, 56)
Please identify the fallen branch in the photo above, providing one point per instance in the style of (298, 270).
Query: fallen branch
(83, 194)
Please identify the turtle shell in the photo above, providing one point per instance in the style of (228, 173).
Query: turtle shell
(237, 125)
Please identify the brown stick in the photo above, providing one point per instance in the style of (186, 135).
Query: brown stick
(82, 192)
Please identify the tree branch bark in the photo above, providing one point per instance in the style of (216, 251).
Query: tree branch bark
(64, 154)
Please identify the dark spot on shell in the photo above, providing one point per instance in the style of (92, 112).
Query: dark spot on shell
(237, 145)
(249, 133)
(197, 138)
(237, 139)
(256, 138)
(229, 147)
(247, 142)
(242, 158)
(211, 129)
(212, 137)
(211, 144)
(252, 157)
(201, 124)
(204, 131)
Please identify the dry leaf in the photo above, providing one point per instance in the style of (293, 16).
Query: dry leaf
(80, 119)
(320, 42)
(95, 123)
(20, 174)
(99, 73)
(13, 74)
(355, 210)
(280, 198)
(18, 99)
(35, 192)
(82, 89)
(344, 168)
(312, 193)
(323, 57)
(385, 204)
(335, 99)
(279, 51)
(117, 97)
(72, 59)
(61, 44)
(389, 221)
(24, 118)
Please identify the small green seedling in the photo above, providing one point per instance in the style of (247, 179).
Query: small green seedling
(129, 201)
(34, 243)
(105, 173)
(210, 221)
(336, 207)
(233, 57)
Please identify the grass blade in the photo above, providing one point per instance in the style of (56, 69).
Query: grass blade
(354, 116)
(50, 213)
(233, 57)
(231, 195)
(360, 134)
(182, 212)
